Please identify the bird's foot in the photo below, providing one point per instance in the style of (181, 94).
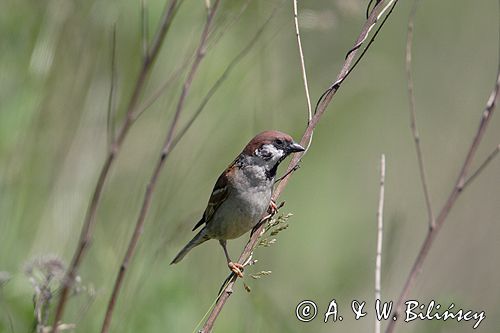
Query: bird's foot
(236, 268)
(273, 208)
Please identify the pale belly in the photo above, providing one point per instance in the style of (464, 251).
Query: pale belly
(239, 214)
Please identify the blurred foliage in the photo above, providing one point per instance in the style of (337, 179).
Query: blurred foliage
(54, 84)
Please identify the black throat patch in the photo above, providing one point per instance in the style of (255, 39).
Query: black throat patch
(271, 173)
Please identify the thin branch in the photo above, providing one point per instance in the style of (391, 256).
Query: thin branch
(460, 184)
(110, 121)
(213, 41)
(163, 29)
(161, 90)
(483, 166)
(413, 114)
(175, 75)
(368, 9)
(303, 68)
(322, 104)
(216, 38)
(370, 23)
(166, 149)
(346, 69)
(144, 28)
(90, 216)
(221, 79)
(287, 173)
(200, 53)
(452, 198)
(380, 226)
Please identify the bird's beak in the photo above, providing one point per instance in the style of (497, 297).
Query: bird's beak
(295, 148)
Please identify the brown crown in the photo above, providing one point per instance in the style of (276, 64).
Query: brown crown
(266, 137)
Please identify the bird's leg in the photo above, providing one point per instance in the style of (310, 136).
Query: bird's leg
(272, 210)
(236, 268)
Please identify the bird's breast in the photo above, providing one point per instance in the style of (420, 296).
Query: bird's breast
(241, 210)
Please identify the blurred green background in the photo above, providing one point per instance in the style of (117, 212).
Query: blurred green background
(54, 84)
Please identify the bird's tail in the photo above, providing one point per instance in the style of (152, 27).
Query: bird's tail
(200, 238)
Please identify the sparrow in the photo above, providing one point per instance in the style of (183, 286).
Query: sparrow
(242, 193)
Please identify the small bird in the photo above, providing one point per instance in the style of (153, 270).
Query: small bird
(242, 194)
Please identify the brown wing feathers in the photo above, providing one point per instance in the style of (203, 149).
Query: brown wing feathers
(219, 194)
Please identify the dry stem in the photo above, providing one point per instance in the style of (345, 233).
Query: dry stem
(413, 114)
(452, 198)
(166, 149)
(303, 68)
(321, 106)
(211, 92)
(380, 225)
(483, 165)
(460, 184)
(113, 149)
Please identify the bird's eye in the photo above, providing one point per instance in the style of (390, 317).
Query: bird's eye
(279, 142)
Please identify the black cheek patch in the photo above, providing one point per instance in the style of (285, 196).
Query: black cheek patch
(266, 156)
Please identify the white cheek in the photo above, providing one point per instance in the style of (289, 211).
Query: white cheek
(276, 154)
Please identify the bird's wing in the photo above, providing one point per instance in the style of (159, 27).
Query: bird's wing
(219, 195)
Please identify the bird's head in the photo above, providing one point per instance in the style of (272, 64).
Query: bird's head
(269, 148)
